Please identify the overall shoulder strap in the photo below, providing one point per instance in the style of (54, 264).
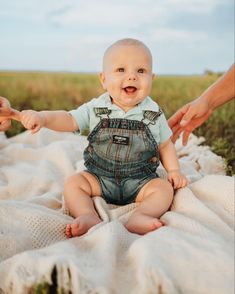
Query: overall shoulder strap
(151, 116)
(102, 112)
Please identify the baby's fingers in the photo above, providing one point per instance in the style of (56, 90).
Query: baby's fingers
(176, 182)
(28, 119)
(182, 182)
(24, 118)
(35, 128)
(26, 122)
(170, 179)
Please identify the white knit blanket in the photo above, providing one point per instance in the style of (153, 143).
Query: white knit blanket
(192, 254)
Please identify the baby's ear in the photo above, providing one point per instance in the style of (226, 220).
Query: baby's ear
(102, 80)
(153, 76)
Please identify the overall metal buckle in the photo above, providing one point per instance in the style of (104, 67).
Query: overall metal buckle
(151, 116)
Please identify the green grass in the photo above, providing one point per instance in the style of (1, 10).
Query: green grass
(41, 91)
(45, 288)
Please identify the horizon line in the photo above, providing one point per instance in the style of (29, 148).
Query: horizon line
(97, 72)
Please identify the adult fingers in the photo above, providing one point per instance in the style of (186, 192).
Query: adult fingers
(186, 135)
(176, 118)
(189, 115)
(5, 125)
(15, 114)
(4, 103)
(176, 135)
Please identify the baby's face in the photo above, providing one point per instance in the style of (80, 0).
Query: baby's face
(127, 75)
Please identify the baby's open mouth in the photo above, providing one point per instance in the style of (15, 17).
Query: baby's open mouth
(130, 90)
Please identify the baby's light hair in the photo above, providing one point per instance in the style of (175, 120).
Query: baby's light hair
(127, 42)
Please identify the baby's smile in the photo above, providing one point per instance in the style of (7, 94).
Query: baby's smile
(130, 89)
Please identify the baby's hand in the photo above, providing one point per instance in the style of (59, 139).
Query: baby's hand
(177, 179)
(32, 120)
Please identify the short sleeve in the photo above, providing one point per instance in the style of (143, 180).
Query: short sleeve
(81, 116)
(165, 131)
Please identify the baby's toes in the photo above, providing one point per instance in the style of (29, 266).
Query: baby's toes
(68, 231)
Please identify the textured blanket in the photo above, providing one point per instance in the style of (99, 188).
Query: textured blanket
(193, 253)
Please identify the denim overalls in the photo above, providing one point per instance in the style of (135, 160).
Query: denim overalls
(122, 154)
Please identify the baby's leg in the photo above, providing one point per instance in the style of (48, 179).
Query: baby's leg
(155, 198)
(78, 192)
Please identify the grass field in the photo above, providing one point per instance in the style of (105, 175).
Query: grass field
(41, 91)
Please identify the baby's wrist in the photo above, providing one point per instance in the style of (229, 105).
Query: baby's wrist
(42, 118)
(173, 170)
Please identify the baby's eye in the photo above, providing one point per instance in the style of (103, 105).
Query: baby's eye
(120, 69)
(140, 70)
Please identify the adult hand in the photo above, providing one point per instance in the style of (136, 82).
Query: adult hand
(5, 108)
(193, 114)
(188, 118)
(6, 114)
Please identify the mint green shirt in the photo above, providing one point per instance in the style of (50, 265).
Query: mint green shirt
(86, 118)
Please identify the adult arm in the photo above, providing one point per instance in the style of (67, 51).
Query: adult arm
(195, 113)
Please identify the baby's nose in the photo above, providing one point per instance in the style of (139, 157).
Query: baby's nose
(131, 77)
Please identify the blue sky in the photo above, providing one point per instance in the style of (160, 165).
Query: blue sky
(185, 36)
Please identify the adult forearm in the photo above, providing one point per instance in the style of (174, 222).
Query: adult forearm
(221, 91)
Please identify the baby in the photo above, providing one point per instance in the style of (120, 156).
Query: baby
(128, 137)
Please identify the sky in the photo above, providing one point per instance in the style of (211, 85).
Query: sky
(184, 36)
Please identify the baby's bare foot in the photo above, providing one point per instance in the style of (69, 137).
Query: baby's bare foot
(141, 224)
(81, 225)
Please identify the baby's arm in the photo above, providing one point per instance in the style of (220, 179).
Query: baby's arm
(171, 164)
(59, 120)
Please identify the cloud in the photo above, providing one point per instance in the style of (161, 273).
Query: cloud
(168, 20)
(127, 13)
(102, 14)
